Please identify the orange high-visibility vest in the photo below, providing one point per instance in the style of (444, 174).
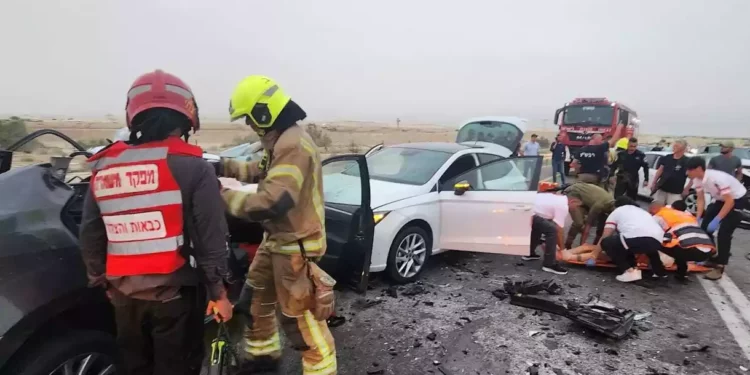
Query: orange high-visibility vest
(683, 231)
(141, 205)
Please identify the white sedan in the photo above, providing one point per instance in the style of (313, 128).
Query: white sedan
(418, 211)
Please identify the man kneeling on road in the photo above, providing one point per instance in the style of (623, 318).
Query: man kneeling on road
(638, 233)
(596, 205)
(550, 211)
(684, 239)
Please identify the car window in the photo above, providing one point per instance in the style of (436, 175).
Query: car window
(501, 133)
(463, 164)
(515, 174)
(486, 158)
(651, 160)
(338, 184)
(235, 151)
(403, 165)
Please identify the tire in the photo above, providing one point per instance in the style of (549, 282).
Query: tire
(423, 241)
(745, 223)
(49, 355)
(691, 201)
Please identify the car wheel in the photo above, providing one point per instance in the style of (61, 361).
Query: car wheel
(691, 201)
(80, 353)
(745, 223)
(409, 253)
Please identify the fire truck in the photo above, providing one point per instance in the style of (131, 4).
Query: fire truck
(583, 117)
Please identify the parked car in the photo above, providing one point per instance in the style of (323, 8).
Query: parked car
(51, 323)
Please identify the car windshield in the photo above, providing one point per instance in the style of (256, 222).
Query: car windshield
(403, 165)
(235, 151)
(591, 115)
(742, 153)
(501, 133)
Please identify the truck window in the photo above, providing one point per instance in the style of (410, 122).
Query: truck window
(589, 115)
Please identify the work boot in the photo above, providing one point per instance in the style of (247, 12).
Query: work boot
(682, 279)
(716, 273)
(258, 364)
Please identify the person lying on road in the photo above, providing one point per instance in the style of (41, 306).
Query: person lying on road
(638, 233)
(550, 211)
(684, 240)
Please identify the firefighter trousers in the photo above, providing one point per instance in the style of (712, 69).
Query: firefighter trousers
(275, 279)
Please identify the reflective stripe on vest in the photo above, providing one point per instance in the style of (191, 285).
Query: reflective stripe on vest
(690, 235)
(160, 245)
(140, 201)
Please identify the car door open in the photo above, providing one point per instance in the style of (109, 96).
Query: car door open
(349, 220)
(488, 209)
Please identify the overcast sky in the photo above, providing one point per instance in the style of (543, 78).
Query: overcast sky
(684, 65)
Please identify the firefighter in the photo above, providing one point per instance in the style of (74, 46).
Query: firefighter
(684, 240)
(153, 204)
(626, 167)
(289, 205)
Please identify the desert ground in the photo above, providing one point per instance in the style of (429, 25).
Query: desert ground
(344, 136)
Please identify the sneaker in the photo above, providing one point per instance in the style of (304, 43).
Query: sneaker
(629, 276)
(556, 269)
(531, 257)
(715, 274)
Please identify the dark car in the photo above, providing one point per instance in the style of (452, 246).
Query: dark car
(50, 321)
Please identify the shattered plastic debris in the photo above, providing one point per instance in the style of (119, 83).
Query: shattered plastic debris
(500, 294)
(596, 315)
(691, 348)
(534, 333)
(531, 287)
(336, 321)
(641, 316)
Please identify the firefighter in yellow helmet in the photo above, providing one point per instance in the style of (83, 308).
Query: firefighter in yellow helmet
(289, 205)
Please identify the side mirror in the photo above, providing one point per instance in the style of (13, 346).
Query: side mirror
(461, 187)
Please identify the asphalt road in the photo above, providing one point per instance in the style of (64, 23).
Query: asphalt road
(477, 333)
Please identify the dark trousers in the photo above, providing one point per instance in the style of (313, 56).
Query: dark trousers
(626, 186)
(624, 258)
(541, 226)
(726, 228)
(682, 256)
(558, 166)
(161, 338)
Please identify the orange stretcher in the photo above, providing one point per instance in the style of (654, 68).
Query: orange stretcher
(641, 262)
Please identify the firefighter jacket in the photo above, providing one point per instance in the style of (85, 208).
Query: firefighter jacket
(141, 206)
(682, 229)
(289, 199)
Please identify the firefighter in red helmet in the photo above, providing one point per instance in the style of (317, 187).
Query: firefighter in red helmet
(153, 204)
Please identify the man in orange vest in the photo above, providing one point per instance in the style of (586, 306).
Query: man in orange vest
(684, 240)
(153, 204)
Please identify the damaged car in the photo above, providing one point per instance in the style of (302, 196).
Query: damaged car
(51, 322)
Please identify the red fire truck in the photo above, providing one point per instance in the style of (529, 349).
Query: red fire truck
(583, 117)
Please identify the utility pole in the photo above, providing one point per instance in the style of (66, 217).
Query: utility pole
(398, 123)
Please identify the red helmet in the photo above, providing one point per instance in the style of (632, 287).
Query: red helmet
(161, 90)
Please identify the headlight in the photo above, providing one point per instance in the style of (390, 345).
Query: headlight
(379, 216)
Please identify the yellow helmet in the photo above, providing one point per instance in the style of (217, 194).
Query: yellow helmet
(258, 98)
(622, 143)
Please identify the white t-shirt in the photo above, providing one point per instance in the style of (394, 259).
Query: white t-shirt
(718, 183)
(633, 222)
(552, 207)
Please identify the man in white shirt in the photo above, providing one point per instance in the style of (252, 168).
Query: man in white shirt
(638, 233)
(530, 148)
(724, 214)
(550, 212)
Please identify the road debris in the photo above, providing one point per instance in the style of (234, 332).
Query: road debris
(641, 316)
(596, 315)
(500, 294)
(367, 303)
(432, 336)
(414, 289)
(532, 287)
(336, 321)
(392, 291)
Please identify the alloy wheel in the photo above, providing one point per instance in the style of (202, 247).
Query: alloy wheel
(411, 254)
(86, 364)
